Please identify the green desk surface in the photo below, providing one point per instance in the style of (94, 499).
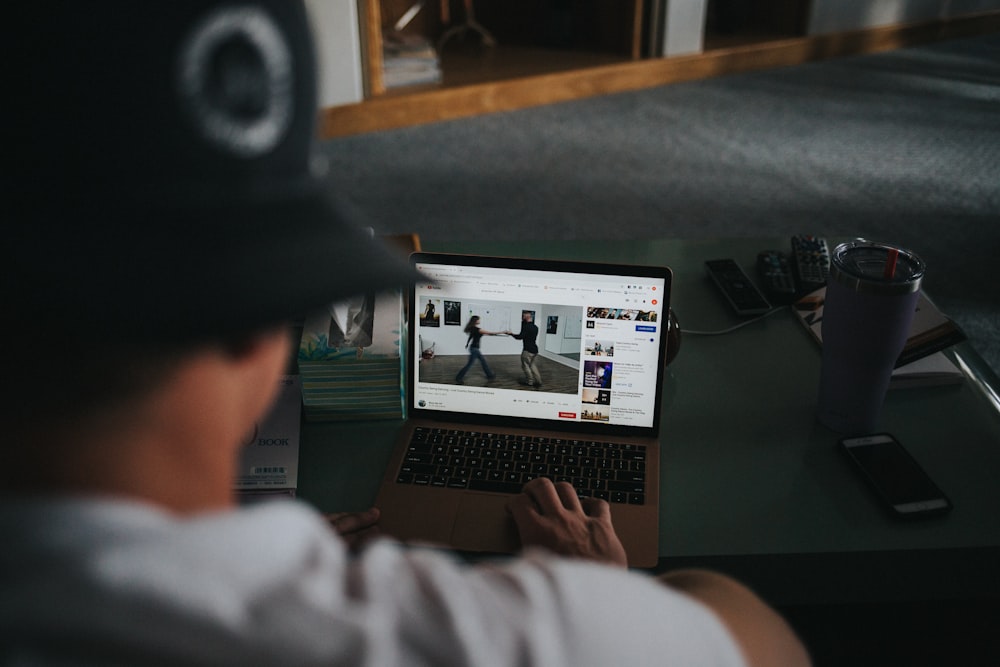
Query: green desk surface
(749, 478)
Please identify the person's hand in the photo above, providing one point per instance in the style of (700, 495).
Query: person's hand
(356, 528)
(552, 516)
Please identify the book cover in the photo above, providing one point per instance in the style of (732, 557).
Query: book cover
(931, 331)
(350, 359)
(269, 461)
(363, 328)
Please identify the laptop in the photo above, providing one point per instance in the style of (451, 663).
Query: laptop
(474, 437)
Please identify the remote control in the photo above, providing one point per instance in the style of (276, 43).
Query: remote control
(775, 271)
(811, 262)
(739, 291)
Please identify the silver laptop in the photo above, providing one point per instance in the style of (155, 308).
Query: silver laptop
(484, 417)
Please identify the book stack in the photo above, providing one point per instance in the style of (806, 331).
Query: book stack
(351, 359)
(409, 60)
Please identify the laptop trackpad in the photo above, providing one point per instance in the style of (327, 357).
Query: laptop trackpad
(483, 524)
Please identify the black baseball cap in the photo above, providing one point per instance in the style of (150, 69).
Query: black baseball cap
(164, 179)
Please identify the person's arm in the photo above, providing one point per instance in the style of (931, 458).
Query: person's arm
(552, 516)
(764, 637)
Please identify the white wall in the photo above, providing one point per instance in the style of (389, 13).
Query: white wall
(338, 50)
(829, 16)
(567, 338)
(684, 27)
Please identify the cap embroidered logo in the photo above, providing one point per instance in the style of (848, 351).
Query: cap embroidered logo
(235, 81)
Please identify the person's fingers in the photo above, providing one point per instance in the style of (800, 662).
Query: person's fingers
(351, 522)
(596, 508)
(568, 497)
(523, 510)
(521, 503)
(552, 516)
(543, 492)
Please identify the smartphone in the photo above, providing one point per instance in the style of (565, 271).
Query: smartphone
(895, 476)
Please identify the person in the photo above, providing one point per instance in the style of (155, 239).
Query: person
(528, 335)
(166, 223)
(429, 318)
(604, 375)
(475, 333)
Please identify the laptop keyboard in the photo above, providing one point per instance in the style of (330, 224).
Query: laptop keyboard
(503, 463)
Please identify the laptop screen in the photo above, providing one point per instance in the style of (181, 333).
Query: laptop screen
(514, 340)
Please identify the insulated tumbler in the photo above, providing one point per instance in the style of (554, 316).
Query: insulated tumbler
(871, 296)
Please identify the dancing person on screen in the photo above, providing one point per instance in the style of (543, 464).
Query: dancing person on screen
(472, 344)
(528, 337)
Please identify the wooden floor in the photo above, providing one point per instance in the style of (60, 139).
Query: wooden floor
(557, 378)
(478, 80)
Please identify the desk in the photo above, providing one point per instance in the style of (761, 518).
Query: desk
(752, 484)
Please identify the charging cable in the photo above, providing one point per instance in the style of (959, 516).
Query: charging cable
(690, 332)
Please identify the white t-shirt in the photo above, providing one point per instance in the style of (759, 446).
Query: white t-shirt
(115, 583)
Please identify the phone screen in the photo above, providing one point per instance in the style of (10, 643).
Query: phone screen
(896, 476)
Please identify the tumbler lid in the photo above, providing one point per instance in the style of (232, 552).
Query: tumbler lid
(876, 268)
